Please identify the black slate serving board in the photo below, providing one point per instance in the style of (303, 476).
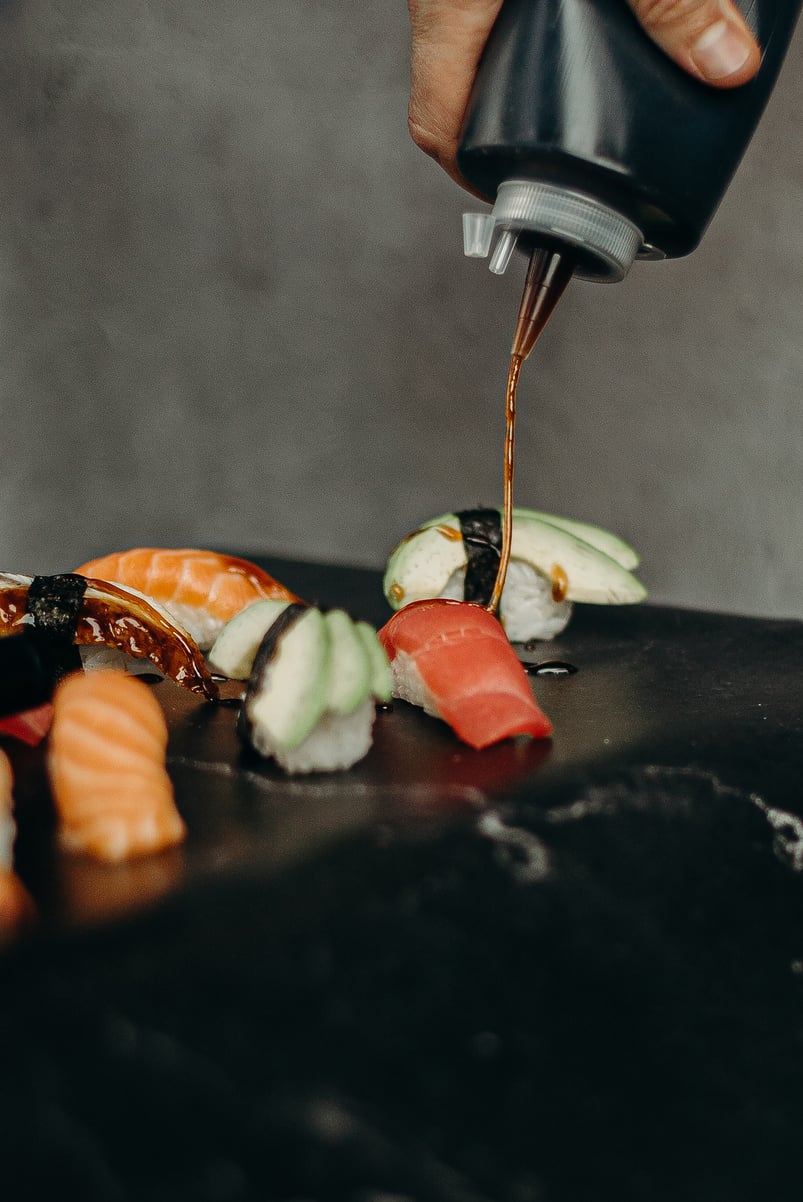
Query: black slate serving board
(548, 972)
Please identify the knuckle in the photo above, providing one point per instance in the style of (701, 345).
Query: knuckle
(658, 16)
(423, 137)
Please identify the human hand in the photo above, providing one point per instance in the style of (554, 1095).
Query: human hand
(708, 38)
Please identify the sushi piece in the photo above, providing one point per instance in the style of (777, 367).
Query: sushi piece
(28, 726)
(453, 659)
(16, 907)
(106, 765)
(202, 590)
(71, 609)
(313, 683)
(554, 562)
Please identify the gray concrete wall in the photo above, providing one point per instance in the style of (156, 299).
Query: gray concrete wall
(234, 312)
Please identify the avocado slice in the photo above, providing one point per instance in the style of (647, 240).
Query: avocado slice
(233, 651)
(381, 677)
(604, 540)
(421, 564)
(350, 677)
(288, 691)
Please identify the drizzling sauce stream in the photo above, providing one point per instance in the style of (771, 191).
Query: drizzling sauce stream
(547, 276)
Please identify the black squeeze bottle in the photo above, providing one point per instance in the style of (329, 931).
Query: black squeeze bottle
(590, 142)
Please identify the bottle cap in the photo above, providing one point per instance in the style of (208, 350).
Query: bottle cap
(605, 242)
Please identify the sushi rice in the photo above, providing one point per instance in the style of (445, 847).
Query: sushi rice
(336, 742)
(527, 609)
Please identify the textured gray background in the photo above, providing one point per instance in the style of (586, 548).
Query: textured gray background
(234, 312)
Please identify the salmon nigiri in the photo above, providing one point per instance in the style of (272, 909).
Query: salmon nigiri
(15, 904)
(200, 589)
(106, 762)
(454, 659)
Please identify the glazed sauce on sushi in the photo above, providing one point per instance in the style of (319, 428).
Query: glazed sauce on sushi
(547, 276)
(560, 583)
(71, 609)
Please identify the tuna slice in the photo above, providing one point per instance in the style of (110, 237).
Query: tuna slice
(454, 660)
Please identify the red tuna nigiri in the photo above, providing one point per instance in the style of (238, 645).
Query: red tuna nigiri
(454, 659)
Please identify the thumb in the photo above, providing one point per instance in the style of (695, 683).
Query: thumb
(708, 38)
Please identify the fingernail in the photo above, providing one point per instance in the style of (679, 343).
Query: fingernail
(720, 51)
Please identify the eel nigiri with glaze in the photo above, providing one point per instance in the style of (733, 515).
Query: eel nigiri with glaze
(70, 609)
(202, 590)
(554, 562)
(454, 660)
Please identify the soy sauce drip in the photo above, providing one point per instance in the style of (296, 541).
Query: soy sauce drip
(550, 667)
(547, 276)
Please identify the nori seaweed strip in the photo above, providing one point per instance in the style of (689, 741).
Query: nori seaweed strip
(265, 653)
(482, 538)
(54, 603)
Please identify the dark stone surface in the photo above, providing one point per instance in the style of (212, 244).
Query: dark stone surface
(566, 972)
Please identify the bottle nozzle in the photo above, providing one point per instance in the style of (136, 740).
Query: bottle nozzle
(503, 252)
(547, 276)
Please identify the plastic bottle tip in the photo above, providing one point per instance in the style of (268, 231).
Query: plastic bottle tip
(478, 231)
(503, 252)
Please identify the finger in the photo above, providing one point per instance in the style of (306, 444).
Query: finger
(448, 37)
(708, 38)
